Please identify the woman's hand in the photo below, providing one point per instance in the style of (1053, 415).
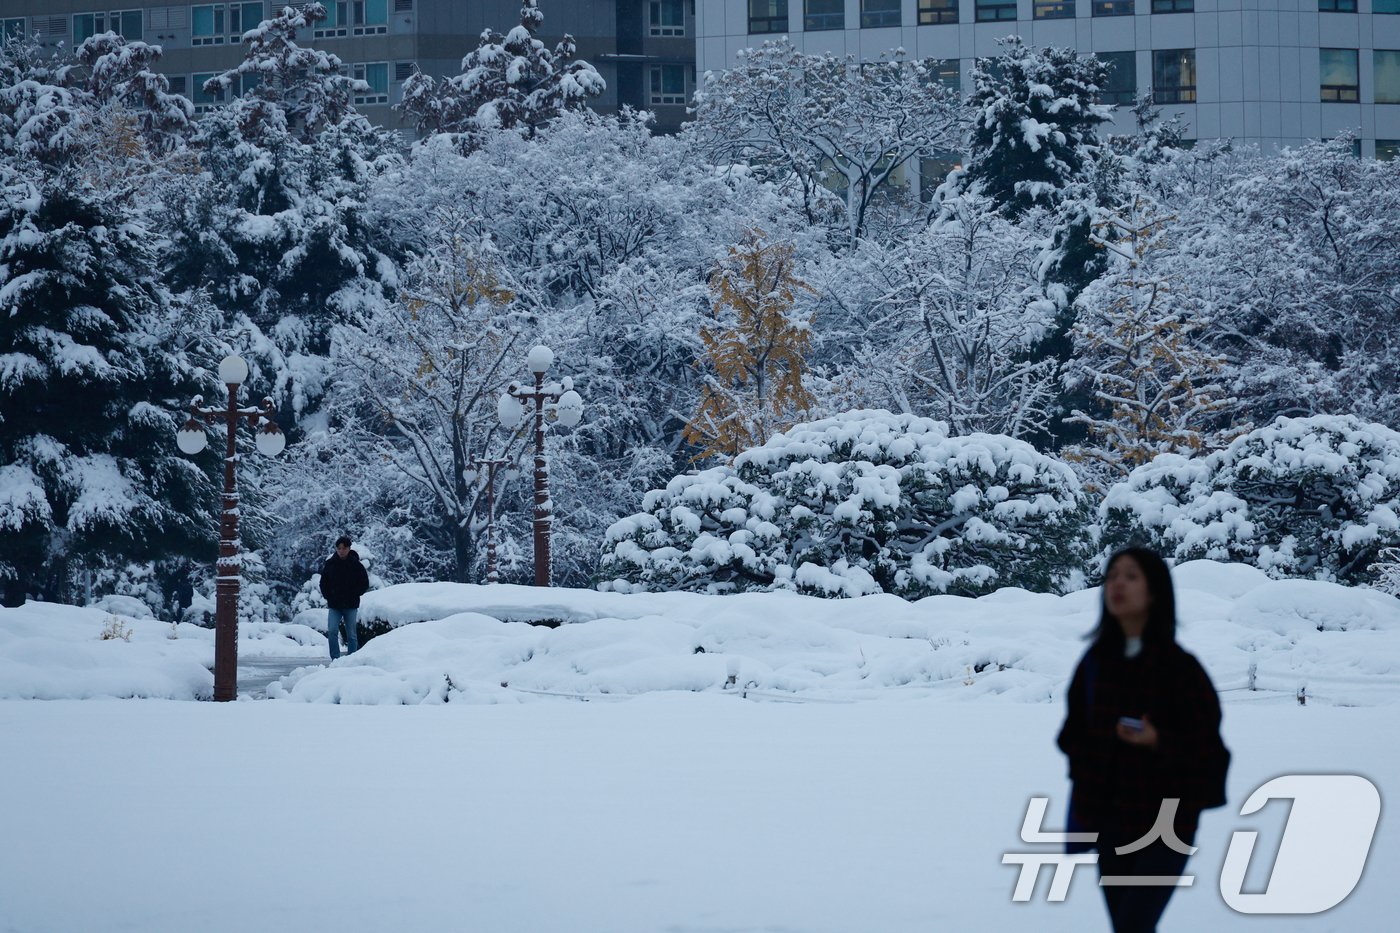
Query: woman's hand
(1146, 737)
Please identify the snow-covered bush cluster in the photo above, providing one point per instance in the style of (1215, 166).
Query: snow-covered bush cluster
(1301, 497)
(864, 502)
(806, 247)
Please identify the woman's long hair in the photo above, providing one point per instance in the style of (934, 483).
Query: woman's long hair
(1161, 611)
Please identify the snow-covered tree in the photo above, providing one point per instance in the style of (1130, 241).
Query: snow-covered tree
(1035, 143)
(755, 348)
(1301, 497)
(430, 366)
(507, 82)
(1140, 352)
(839, 129)
(115, 71)
(945, 321)
(284, 87)
(91, 370)
(864, 502)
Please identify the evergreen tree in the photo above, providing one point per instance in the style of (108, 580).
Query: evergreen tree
(756, 350)
(119, 72)
(508, 82)
(90, 364)
(1035, 142)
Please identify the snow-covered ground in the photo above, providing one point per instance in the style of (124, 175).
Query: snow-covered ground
(668, 801)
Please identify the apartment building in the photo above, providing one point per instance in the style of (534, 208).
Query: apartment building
(1271, 72)
(644, 49)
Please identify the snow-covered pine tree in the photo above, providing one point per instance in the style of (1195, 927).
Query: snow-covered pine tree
(1141, 352)
(1034, 144)
(756, 350)
(862, 502)
(90, 368)
(507, 82)
(115, 71)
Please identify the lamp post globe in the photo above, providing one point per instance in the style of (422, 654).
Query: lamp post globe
(509, 411)
(271, 440)
(569, 408)
(233, 371)
(540, 359)
(191, 438)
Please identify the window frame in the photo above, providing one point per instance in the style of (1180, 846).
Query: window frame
(995, 10)
(1053, 9)
(657, 95)
(937, 15)
(360, 72)
(106, 15)
(881, 19)
(8, 28)
(1340, 93)
(1173, 94)
(1392, 150)
(655, 25)
(1111, 8)
(1174, 6)
(823, 22)
(1118, 97)
(771, 20)
(1336, 6)
(1394, 90)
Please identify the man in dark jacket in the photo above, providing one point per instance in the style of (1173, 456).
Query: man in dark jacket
(343, 581)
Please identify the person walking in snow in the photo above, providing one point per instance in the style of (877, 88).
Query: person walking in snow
(1143, 739)
(343, 581)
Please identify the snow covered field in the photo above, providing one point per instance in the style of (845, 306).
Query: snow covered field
(668, 802)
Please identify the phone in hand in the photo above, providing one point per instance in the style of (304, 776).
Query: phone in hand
(1130, 722)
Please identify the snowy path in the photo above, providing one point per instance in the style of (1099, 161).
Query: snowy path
(664, 814)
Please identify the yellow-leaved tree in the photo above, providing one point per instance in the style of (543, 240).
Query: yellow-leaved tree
(755, 350)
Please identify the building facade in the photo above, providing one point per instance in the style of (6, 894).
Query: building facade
(644, 49)
(1271, 72)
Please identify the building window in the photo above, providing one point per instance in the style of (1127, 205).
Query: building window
(876, 13)
(126, 23)
(353, 18)
(1174, 76)
(376, 75)
(215, 24)
(936, 12)
(1120, 85)
(1113, 7)
(205, 100)
(1387, 75)
(666, 17)
(1052, 9)
(991, 11)
(1336, 6)
(1385, 6)
(667, 84)
(948, 73)
(1175, 6)
(933, 171)
(403, 6)
(771, 16)
(1341, 75)
(12, 27)
(825, 14)
(404, 70)
(1387, 149)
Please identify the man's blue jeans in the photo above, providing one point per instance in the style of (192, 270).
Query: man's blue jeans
(333, 619)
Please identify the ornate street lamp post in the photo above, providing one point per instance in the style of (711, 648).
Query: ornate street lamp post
(192, 439)
(470, 474)
(561, 399)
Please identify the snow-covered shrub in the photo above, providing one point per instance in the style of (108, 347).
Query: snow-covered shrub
(1302, 497)
(864, 502)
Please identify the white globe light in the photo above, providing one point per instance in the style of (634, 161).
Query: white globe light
(567, 382)
(271, 440)
(191, 438)
(469, 476)
(233, 370)
(509, 410)
(512, 473)
(540, 359)
(569, 408)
